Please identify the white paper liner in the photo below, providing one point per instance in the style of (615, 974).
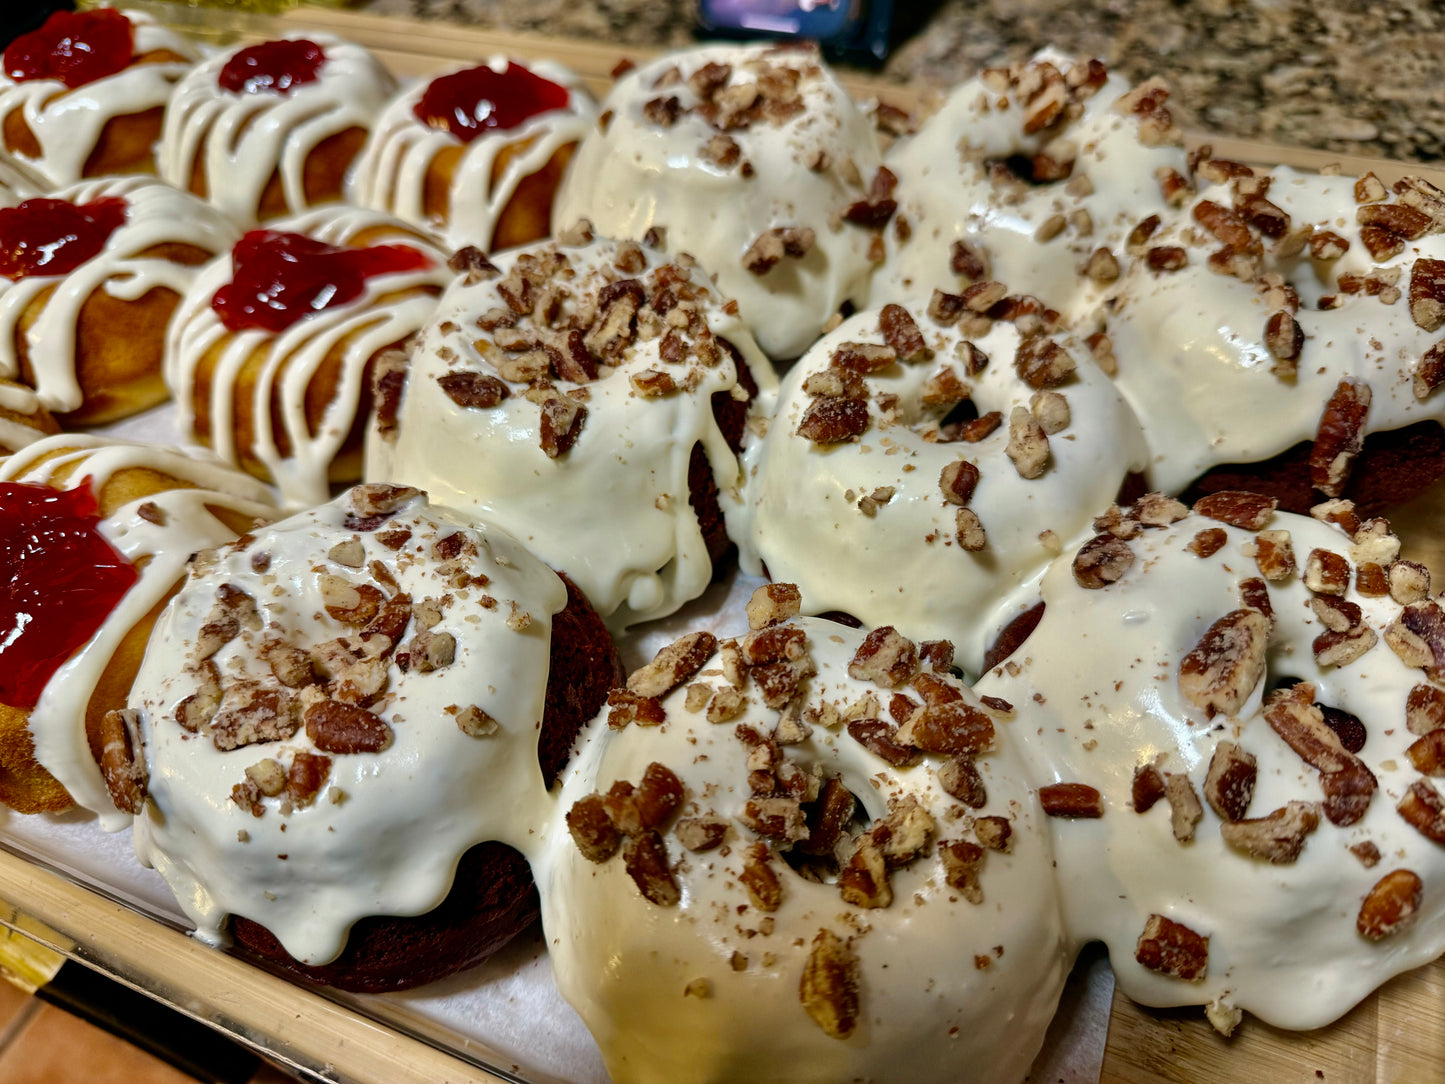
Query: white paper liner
(507, 1013)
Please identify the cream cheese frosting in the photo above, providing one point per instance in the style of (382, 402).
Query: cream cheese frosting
(126, 269)
(591, 370)
(18, 182)
(239, 141)
(1037, 168)
(392, 172)
(67, 123)
(1194, 356)
(180, 515)
(22, 418)
(328, 353)
(707, 988)
(726, 148)
(381, 830)
(1104, 675)
(866, 523)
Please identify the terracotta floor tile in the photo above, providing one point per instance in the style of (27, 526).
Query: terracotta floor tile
(57, 1048)
(12, 1001)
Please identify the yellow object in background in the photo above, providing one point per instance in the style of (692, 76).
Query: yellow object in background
(24, 962)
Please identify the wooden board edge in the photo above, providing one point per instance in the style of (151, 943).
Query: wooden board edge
(260, 1009)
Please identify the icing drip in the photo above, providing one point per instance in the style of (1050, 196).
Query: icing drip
(67, 124)
(643, 170)
(391, 174)
(389, 309)
(22, 418)
(627, 473)
(240, 140)
(157, 550)
(384, 833)
(158, 215)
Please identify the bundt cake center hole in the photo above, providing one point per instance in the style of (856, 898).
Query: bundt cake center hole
(1348, 727)
(1019, 167)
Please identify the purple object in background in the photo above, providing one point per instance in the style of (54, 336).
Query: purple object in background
(856, 30)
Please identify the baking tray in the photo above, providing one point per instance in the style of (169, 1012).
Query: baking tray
(68, 886)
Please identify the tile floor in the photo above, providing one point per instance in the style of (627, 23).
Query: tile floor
(41, 1044)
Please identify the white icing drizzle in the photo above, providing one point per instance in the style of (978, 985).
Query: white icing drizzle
(30, 421)
(391, 308)
(18, 182)
(634, 175)
(156, 214)
(391, 173)
(242, 139)
(1100, 678)
(613, 512)
(384, 834)
(928, 1011)
(67, 123)
(903, 566)
(57, 723)
(946, 193)
(1191, 352)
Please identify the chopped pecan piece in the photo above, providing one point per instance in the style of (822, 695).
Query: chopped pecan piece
(252, 713)
(1238, 508)
(781, 819)
(1254, 595)
(1425, 709)
(1430, 371)
(343, 728)
(1185, 809)
(773, 604)
(1366, 852)
(834, 420)
(828, 989)
(1274, 554)
(1427, 293)
(1347, 783)
(474, 722)
(967, 260)
(1221, 671)
(562, 419)
(1284, 338)
(885, 657)
(1424, 810)
(1277, 838)
(1166, 258)
(306, 776)
(879, 738)
(628, 707)
(1229, 786)
(952, 729)
(673, 665)
(1408, 582)
(995, 833)
(828, 818)
(1391, 906)
(761, 880)
(901, 333)
(1340, 436)
(1333, 648)
(1417, 636)
(962, 864)
(1225, 224)
(1028, 444)
(1147, 788)
(1071, 800)
(350, 603)
(122, 760)
(1208, 542)
(960, 777)
(771, 246)
(471, 389)
(699, 834)
(1101, 561)
(1404, 222)
(957, 480)
(1172, 948)
(1043, 363)
(863, 882)
(1326, 573)
(645, 858)
(969, 531)
(380, 498)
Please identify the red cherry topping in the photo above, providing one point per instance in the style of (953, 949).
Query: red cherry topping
(273, 67)
(76, 47)
(53, 237)
(278, 278)
(467, 103)
(59, 581)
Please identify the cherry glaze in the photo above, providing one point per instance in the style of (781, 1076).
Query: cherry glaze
(60, 581)
(76, 47)
(53, 237)
(278, 278)
(467, 103)
(273, 67)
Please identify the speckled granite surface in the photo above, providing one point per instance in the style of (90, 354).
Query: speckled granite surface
(1342, 75)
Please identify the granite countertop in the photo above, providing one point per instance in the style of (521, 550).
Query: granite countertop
(1338, 75)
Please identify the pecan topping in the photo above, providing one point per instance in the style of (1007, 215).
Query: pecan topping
(1430, 372)
(1185, 810)
(773, 604)
(1101, 561)
(1238, 508)
(761, 880)
(1147, 788)
(1172, 948)
(1229, 786)
(828, 989)
(1403, 222)
(700, 834)
(1284, 339)
(1408, 582)
(628, 707)
(1417, 636)
(306, 776)
(592, 829)
(1424, 810)
(901, 333)
(960, 778)
(1221, 671)
(1274, 554)
(962, 863)
(1339, 438)
(673, 665)
(1427, 753)
(1028, 444)
(953, 729)
(834, 420)
(772, 245)
(251, 713)
(1071, 800)
(561, 425)
(343, 728)
(1347, 783)
(878, 737)
(122, 762)
(957, 481)
(1208, 542)
(1427, 293)
(1391, 906)
(645, 857)
(1043, 363)
(1279, 837)
(472, 389)
(967, 260)
(380, 498)
(1166, 258)
(885, 657)
(1425, 709)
